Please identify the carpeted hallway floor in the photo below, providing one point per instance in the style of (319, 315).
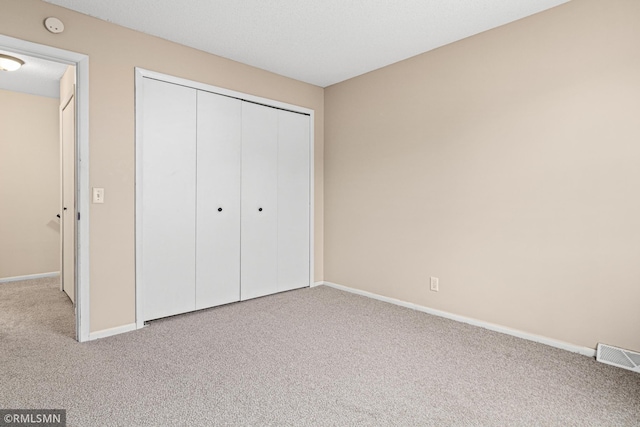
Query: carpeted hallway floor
(310, 357)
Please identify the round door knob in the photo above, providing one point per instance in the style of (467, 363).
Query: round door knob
(259, 209)
(219, 209)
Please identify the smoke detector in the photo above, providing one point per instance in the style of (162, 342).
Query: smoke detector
(54, 25)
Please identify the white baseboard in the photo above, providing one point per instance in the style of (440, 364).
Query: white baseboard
(29, 277)
(112, 331)
(586, 351)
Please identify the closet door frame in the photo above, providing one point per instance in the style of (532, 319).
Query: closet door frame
(140, 74)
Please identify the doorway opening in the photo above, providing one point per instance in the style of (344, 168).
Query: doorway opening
(70, 212)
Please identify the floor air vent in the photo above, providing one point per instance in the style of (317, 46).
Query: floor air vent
(618, 357)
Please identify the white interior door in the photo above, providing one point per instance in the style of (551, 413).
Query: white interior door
(259, 220)
(218, 200)
(68, 213)
(293, 200)
(168, 199)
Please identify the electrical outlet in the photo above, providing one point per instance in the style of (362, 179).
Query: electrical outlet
(435, 285)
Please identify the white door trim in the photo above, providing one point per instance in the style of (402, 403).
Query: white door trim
(81, 63)
(140, 74)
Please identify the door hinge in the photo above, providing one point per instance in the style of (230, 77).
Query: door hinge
(78, 216)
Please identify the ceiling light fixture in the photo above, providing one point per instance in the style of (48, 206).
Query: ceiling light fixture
(9, 63)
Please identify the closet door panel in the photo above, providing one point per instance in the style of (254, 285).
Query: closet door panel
(218, 200)
(293, 200)
(259, 222)
(168, 199)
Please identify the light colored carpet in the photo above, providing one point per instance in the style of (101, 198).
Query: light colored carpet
(310, 357)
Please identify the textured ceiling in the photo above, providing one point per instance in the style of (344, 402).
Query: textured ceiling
(317, 41)
(36, 77)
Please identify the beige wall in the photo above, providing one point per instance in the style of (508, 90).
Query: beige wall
(29, 185)
(113, 53)
(507, 165)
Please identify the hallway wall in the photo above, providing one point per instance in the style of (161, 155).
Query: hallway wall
(29, 185)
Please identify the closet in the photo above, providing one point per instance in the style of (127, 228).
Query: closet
(223, 199)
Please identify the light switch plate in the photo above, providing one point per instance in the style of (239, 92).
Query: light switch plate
(98, 195)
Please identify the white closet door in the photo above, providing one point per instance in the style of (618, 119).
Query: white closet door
(218, 205)
(168, 199)
(259, 239)
(293, 200)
